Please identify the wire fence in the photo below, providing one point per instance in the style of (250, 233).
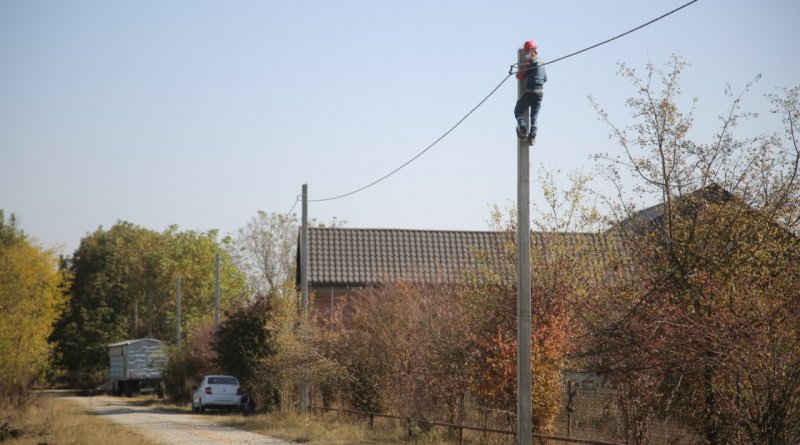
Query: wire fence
(588, 415)
(590, 410)
(409, 423)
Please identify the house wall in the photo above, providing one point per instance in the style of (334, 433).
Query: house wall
(329, 300)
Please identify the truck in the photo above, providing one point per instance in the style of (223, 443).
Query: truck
(137, 366)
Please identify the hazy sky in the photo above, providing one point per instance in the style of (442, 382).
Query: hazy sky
(200, 113)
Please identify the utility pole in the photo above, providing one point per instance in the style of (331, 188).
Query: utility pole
(150, 314)
(216, 292)
(136, 318)
(304, 254)
(524, 409)
(178, 314)
(304, 284)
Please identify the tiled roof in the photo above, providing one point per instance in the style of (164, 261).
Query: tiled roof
(357, 257)
(653, 216)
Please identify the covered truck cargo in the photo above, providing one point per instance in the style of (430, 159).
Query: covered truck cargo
(137, 365)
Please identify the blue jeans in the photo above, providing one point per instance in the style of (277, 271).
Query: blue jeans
(532, 100)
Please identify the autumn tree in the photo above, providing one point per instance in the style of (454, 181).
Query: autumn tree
(563, 262)
(428, 349)
(126, 266)
(107, 268)
(699, 321)
(31, 298)
(404, 351)
(190, 255)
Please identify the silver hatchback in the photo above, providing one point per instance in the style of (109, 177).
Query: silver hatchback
(217, 391)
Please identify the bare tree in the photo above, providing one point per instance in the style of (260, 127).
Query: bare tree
(264, 249)
(704, 323)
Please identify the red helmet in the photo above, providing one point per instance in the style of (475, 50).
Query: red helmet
(530, 45)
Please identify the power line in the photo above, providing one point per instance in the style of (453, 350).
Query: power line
(289, 213)
(420, 153)
(510, 72)
(616, 37)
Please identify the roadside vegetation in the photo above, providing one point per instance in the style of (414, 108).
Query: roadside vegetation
(31, 299)
(52, 420)
(322, 430)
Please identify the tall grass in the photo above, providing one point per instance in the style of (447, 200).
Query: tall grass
(329, 429)
(52, 420)
(347, 429)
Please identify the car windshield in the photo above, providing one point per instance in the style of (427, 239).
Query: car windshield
(222, 381)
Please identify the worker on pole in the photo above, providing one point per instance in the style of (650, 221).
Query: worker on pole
(534, 75)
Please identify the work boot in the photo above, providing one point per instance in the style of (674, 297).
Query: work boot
(522, 130)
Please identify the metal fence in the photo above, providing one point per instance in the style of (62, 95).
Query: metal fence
(456, 427)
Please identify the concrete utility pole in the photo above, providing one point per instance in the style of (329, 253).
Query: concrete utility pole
(524, 409)
(136, 318)
(178, 316)
(216, 291)
(149, 314)
(304, 284)
(304, 254)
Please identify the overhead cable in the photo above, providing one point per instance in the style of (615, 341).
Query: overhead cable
(420, 153)
(615, 37)
(510, 73)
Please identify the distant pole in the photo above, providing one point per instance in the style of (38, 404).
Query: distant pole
(524, 409)
(149, 314)
(304, 283)
(216, 291)
(304, 254)
(178, 313)
(136, 318)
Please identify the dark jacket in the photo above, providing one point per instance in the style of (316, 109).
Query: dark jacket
(534, 74)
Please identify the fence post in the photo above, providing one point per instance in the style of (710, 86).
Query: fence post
(371, 420)
(570, 396)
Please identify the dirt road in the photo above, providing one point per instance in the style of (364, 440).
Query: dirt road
(171, 427)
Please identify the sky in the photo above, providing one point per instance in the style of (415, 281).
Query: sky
(201, 113)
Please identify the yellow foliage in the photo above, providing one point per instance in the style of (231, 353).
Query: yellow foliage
(31, 298)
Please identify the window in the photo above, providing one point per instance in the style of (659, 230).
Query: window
(223, 381)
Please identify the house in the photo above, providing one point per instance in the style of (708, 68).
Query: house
(342, 260)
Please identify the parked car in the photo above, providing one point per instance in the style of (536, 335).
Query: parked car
(217, 391)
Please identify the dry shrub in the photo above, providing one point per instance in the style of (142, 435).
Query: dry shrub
(403, 352)
(187, 366)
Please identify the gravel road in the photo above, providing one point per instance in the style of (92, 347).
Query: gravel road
(171, 427)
